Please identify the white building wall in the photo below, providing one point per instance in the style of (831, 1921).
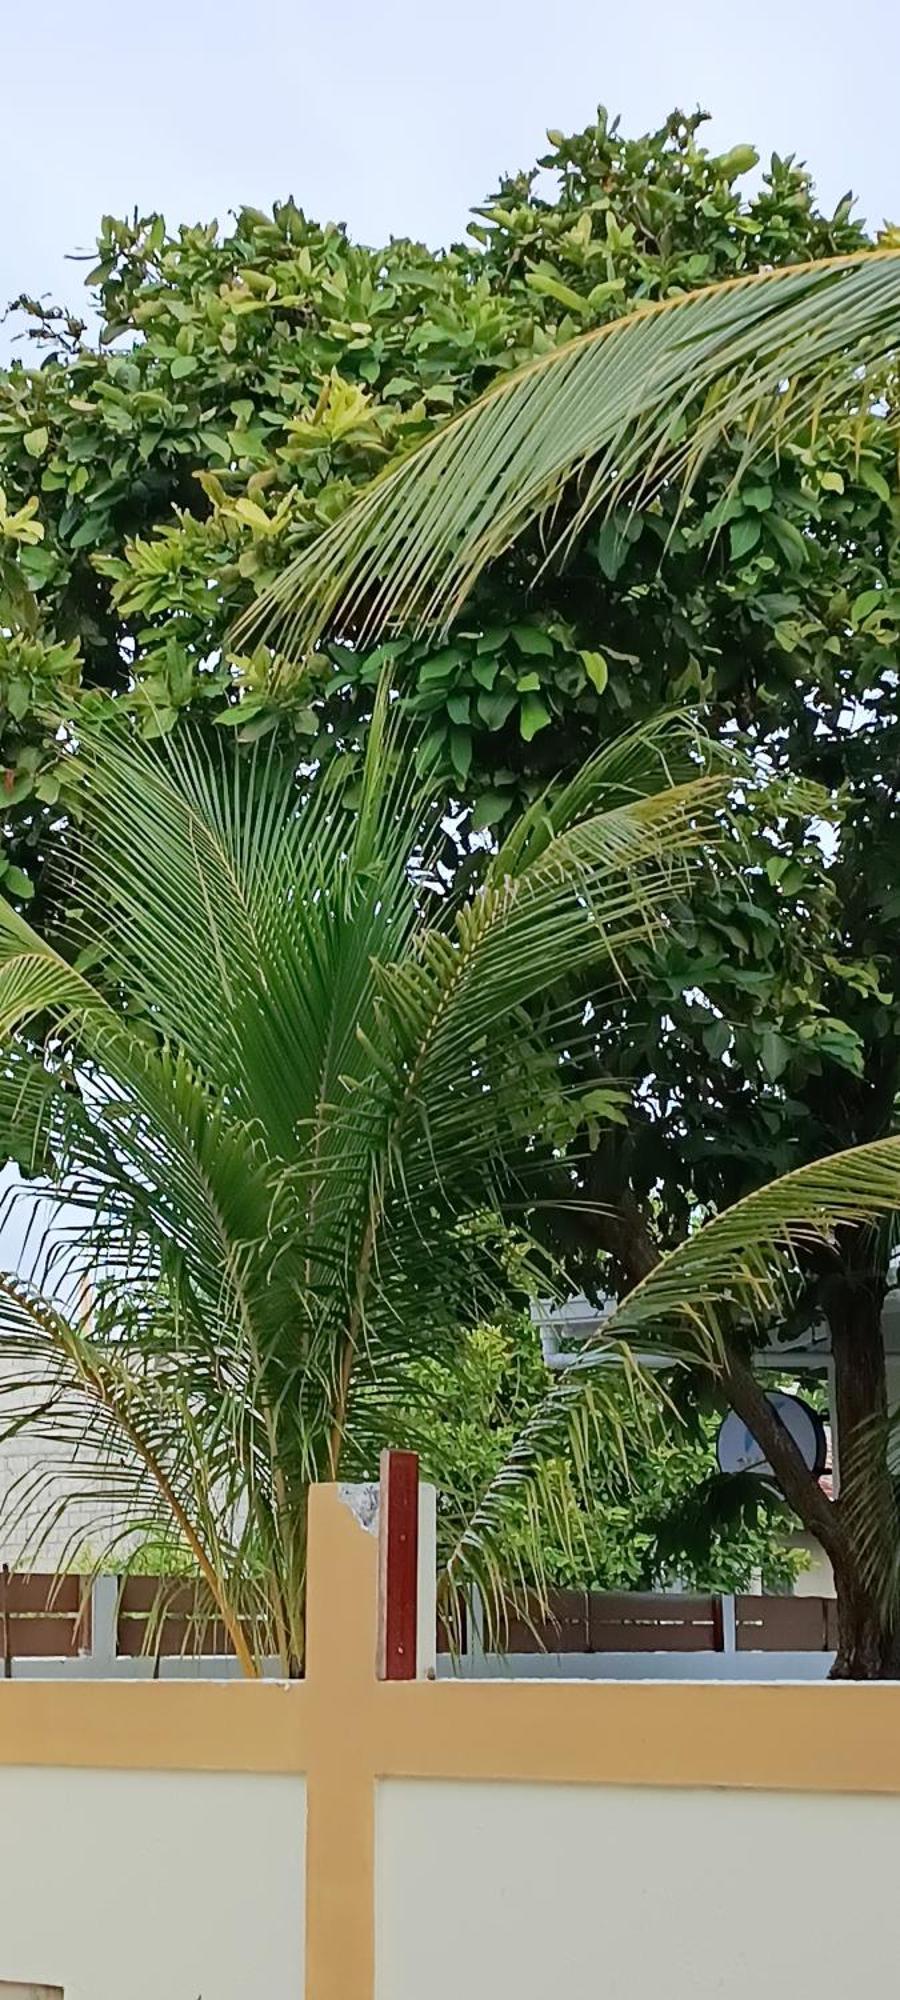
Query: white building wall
(152, 1885)
(495, 1890)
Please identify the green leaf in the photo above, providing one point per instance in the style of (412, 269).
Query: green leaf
(744, 535)
(528, 683)
(716, 1038)
(261, 725)
(740, 160)
(869, 476)
(596, 668)
(461, 751)
(184, 364)
(611, 548)
(217, 444)
(531, 639)
(36, 441)
(489, 808)
(790, 541)
(774, 1053)
(494, 709)
(533, 715)
(17, 883)
(440, 666)
(608, 1103)
(867, 602)
(553, 288)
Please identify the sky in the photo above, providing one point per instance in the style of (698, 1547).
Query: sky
(397, 117)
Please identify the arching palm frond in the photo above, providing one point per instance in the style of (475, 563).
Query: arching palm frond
(276, 1117)
(736, 1276)
(611, 416)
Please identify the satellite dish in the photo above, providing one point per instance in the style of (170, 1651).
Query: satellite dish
(738, 1451)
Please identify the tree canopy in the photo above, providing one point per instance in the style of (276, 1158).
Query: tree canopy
(247, 382)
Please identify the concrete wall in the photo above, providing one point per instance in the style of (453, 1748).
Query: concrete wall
(817, 1580)
(498, 1841)
(152, 1885)
(535, 1890)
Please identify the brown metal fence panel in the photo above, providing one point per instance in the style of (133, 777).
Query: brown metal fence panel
(577, 1621)
(49, 1617)
(652, 1622)
(560, 1623)
(574, 1621)
(783, 1625)
(43, 1617)
(167, 1620)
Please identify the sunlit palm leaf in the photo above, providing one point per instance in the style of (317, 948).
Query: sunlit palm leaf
(612, 415)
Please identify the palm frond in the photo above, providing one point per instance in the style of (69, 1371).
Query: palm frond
(735, 1277)
(613, 416)
(272, 1117)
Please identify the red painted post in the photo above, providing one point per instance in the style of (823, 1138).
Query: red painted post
(398, 1536)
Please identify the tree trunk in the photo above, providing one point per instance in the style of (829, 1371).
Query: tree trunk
(868, 1642)
(868, 1647)
(868, 1634)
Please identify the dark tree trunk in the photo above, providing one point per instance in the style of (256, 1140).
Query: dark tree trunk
(868, 1646)
(868, 1638)
(868, 1633)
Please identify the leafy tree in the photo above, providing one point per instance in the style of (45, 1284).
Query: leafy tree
(649, 1511)
(635, 410)
(247, 383)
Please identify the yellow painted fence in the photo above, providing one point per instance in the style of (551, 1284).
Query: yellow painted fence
(353, 1839)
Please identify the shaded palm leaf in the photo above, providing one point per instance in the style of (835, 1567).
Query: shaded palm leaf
(738, 1274)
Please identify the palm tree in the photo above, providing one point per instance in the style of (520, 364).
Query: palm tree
(274, 1085)
(271, 1081)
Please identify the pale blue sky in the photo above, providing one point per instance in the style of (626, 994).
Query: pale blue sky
(396, 117)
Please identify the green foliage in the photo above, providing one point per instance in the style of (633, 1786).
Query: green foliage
(250, 381)
(275, 1098)
(247, 382)
(642, 1518)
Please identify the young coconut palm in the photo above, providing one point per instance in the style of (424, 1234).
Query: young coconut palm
(272, 1080)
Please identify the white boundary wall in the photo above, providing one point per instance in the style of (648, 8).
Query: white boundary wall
(152, 1885)
(494, 1890)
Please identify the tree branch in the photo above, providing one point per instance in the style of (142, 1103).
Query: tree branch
(798, 1485)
